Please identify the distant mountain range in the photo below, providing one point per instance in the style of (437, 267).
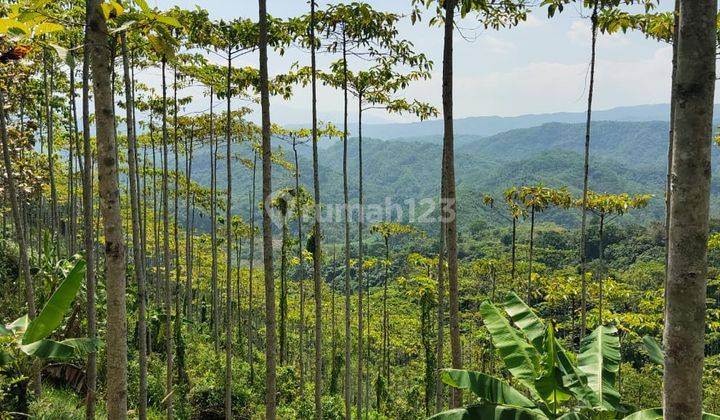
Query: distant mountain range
(628, 154)
(489, 125)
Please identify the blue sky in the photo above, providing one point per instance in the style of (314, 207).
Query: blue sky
(540, 66)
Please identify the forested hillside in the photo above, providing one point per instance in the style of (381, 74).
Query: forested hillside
(170, 250)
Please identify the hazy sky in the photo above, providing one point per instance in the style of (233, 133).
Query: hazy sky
(540, 66)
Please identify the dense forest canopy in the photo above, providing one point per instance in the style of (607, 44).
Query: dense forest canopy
(168, 249)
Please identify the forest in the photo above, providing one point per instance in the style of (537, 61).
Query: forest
(169, 250)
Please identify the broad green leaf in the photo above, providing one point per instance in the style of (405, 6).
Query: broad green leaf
(54, 311)
(524, 318)
(83, 345)
(575, 379)
(573, 416)
(550, 383)
(657, 414)
(168, 20)
(49, 349)
(142, 4)
(599, 359)
(46, 27)
(519, 356)
(6, 24)
(654, 350)
(19, 325)
(488, 411)
(4, 331)
(486, 387)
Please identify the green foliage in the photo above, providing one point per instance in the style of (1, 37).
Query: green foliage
(546, 370)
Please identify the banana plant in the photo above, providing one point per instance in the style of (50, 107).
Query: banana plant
(30, 336)
(552, 383)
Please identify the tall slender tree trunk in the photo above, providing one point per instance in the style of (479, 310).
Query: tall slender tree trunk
(449, 204)
(283, 286)
(440, 350)
(689, 211)
(601, 274)
(513, 248)
(270, 379)
(530, 255)
(177, 326)
(251, 275)
(228, 247)
(87, 198)
(72, 143)
(169, 347)
(361, 219)
(138, 251)
(301, 258)
(346, 221)
(317, 236)
(213, 229)
(189, 229)
(116, 341)
(15, 208)
(386, 320)
(586, 171)
(50, 125)
(668, 181)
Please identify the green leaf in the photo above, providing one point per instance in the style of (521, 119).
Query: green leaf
(550, 383)
(47, 27)
(657, 414)
(524, 318)
(573, 416)
(486, 387)
(142, 4)
(4, 331)
(654, 350)
(488, 411)
(519, 356)
(599, 359)
(168, 20)
(83, 345)
(49, 349)
(54, 311)
(575, 379)
(19, 325)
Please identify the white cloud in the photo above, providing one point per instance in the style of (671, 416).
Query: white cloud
(494, 44)
(550, 86)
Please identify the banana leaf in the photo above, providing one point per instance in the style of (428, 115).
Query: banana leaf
(19, 325)
(486, 387)
(49, 349)
(654, 350)
(573, 416)
(488, 411)
(657, 414)
(525, 319)
(61, 350)
(54, 311)
(519, 356)
(575, 379)
(599, 359)
(550, 383)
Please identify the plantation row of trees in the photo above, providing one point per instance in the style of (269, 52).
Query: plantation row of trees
(169, 263)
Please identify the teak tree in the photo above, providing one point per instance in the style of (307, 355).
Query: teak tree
(607, 207)
(491, 14)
